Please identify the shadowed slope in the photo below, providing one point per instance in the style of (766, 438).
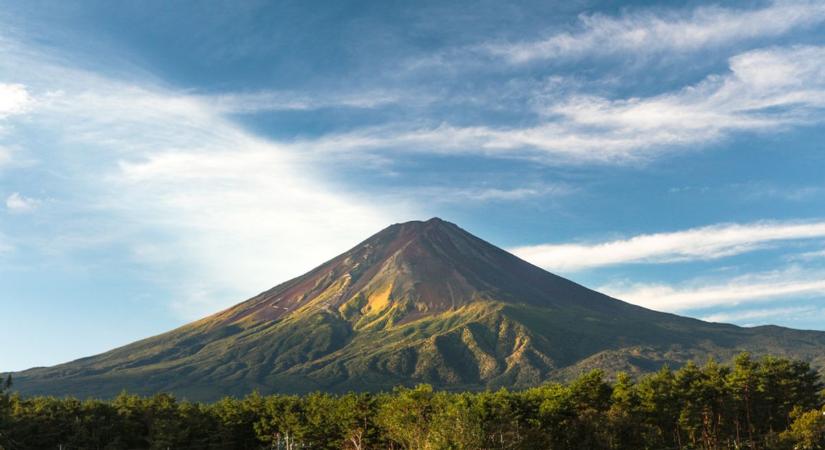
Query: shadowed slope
(418, 301)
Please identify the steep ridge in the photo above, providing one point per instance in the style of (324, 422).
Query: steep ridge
(416, 302)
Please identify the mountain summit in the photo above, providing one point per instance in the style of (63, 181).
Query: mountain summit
(413, 270)
(416, 302)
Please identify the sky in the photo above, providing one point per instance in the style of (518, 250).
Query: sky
(160, 161)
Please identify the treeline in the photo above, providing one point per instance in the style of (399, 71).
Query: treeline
(770, 403)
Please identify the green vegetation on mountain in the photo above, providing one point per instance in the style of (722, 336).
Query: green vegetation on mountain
(419, 302)
(767, 403)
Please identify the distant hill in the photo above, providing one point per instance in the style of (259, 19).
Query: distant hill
(416, 302)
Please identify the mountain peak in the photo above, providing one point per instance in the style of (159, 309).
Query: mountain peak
(431, 220)
(417, 226)
(437, 221)
(406, 232)
(405, 270)
(410, 270)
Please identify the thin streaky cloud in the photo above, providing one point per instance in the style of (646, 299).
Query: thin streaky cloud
(648, 32)
(760, 191)
(183, 186)
(808, 256)
(751, 314)
(695, 244)
(487, 194)
(793, 283)
(255, 102)
(765, 90)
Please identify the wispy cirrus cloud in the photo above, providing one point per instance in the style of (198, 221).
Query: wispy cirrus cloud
(794, 283)
(649, 32)
(808, 256)
(752, 315)
(255, 102)
(761, 191)
(695, 244)
(484, 194)
(211, 211)
(764, 90)
(14, 100)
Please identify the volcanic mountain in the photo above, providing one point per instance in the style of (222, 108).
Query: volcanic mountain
(416, 302)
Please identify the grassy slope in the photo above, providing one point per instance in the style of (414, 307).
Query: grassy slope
(482, 345)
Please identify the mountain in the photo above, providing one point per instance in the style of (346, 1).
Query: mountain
(416, 302)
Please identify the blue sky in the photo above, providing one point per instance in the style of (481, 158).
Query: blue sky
(162, 160)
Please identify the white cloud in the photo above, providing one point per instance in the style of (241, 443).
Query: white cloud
(242, 217)
(14, 99)
(765, 90)
(760, 287)
(497, 194)
(239, 103)
(17, 203)
(751, 314)
(659, 32)
(484, 194)
(762, 191)
(703, 243)
(807, 256)
(212, 212)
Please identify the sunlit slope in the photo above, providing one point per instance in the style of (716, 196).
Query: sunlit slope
(417, 302)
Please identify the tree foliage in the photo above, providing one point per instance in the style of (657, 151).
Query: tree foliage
(771, 403)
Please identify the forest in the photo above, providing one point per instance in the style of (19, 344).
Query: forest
(766, 403)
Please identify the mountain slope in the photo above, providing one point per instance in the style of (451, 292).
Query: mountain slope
(417, 302)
